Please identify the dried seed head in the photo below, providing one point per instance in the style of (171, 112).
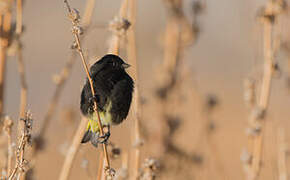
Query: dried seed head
(75, 16)
(121, 173)
(149, 169)
(138, 143)
(109, 173)
(152, 164)
(77, 30)
(258, 113)
(119, 25)
(272, 10)
(28, 127)
(74, 45)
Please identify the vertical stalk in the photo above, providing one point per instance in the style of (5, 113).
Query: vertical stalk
(5, 31)
(132, 59)
(73, 150)
(282, 153)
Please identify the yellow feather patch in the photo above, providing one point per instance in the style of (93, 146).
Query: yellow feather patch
(105, 117)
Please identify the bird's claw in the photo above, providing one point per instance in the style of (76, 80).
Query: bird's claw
(104, 138)
(94, 98)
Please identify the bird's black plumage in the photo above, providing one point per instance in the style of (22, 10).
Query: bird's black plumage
(113, 89)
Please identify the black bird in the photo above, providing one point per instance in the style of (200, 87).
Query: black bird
(113, 95)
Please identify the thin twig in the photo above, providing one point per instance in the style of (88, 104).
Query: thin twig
(257, 118)
(100, 167)
(19, 17)
(282, 153)
(8, 123)
(24, 139)
(264, 97)
(118, 26)
(21, 69)
(23, 92)
(71, 153)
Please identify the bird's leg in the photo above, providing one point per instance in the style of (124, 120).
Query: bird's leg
(105, 137)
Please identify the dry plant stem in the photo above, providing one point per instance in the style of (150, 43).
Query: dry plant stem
(174, 44)
(87, 17)
(172, 51)
(263, 100)
(103, 176)
(23, 84)
(20, 148)
(19, 17)
(100, 167)
(2, 75)
(10, 154)
(5, 27)
(70, 155)
(23, 97)
(282, 153)
(116, 38)
(8, 129)
(23, 140)
(132, 59)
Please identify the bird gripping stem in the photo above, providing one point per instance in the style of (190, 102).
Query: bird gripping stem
(76, 31)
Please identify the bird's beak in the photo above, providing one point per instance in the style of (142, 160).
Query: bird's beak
(125, 65)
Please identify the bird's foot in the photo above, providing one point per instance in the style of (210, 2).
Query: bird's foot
(94, 98)
(92, 101)
(104, 138)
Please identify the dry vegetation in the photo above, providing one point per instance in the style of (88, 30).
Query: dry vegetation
(174, 133)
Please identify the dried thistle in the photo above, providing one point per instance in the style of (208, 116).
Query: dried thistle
(25, 139)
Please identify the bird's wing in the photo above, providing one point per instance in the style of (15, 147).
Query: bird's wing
(121, 98)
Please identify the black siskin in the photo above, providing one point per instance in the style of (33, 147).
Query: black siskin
(113, 94)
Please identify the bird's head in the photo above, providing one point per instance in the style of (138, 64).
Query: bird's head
(112, 61)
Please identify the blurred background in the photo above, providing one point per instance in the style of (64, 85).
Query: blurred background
(206, 129)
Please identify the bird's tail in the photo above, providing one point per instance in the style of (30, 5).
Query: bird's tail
(92, 133)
